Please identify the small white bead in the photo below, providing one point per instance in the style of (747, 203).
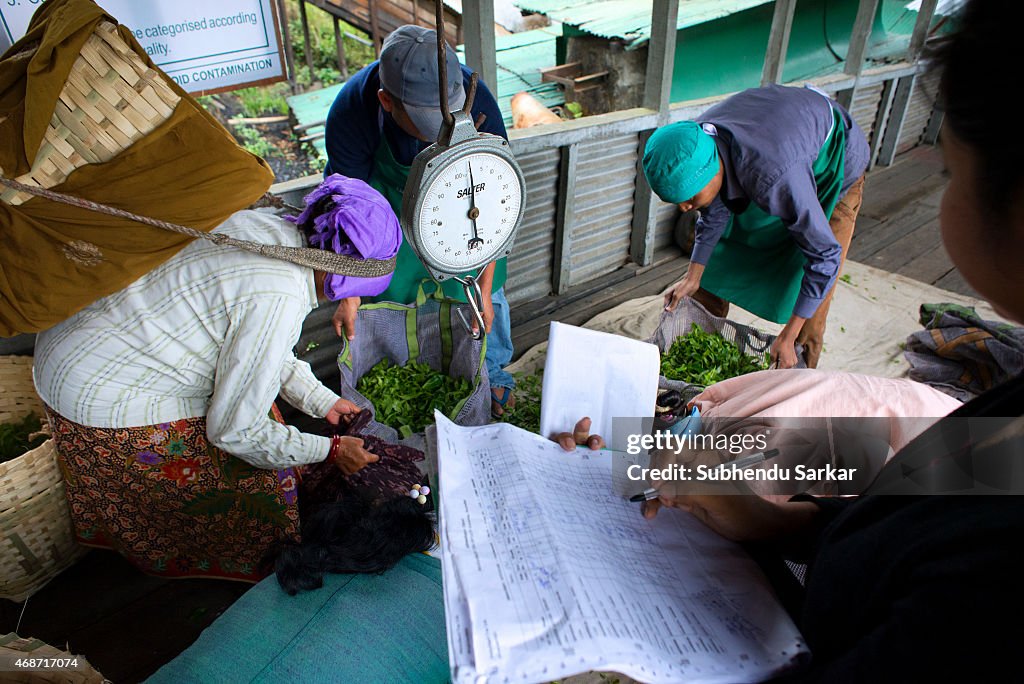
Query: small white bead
(413, 493)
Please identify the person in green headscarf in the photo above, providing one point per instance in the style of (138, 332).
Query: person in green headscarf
(777, 176)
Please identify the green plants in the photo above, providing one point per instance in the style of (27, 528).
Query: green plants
(20, 436)
(526, 412)
(405, 397)
(252, 140)
(704, 358)
(264, 100)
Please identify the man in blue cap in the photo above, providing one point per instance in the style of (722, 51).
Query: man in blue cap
(383, 117)
(777, 174)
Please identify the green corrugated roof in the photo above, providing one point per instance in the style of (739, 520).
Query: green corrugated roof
(631, 19)
(520, 57)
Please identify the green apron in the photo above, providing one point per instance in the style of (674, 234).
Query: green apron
(756, 264)
(388, 178)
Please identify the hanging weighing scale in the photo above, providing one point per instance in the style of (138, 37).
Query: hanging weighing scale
(465, 196)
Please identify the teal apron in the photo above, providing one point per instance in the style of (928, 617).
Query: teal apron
(756, 264)
(388, 178)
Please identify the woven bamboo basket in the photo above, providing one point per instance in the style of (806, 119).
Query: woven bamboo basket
(36, 538)
(110, 100)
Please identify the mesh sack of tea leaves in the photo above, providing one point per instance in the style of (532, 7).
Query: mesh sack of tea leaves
(407, 360)
(699, 349)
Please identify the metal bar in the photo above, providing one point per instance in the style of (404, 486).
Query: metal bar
(645, 212)
(562, 266)
(442, 61)
(624, 122)
(778, 42)
(661, 56)
(289, 51)
(931, 134)
(478, 25)
(881, 119)
(339, 43)
(920, 34)
(858, 49)
(306, 44)
(900, 104)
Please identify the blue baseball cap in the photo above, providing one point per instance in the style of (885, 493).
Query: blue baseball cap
(408, 71)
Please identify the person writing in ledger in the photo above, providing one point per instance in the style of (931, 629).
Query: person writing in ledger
(777, 174)
(919, 588)
(383, 117)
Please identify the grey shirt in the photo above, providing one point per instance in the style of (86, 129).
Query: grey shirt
(768, 139)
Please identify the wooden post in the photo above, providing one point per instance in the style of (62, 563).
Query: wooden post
(858, 48)
(562, 266)
(778, 42)
(375, 28)
(881, 120)
(931, 134)
(286, 35)
(339, 41)
(306, 43)
(900, 104)
(478, 22)
(661, 54)
(921, 26)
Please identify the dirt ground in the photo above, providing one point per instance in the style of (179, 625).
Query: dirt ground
(286, 156)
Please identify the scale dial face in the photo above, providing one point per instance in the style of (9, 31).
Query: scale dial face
(469, 211)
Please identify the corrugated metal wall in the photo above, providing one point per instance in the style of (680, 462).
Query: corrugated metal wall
(664, 232)
(529, 267)
(865, 108)
(919, 112)
(605, 184)
(603, 208)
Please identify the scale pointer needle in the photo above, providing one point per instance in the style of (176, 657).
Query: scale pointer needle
(474, 242)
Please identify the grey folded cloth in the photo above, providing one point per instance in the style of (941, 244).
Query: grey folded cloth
(961, 354)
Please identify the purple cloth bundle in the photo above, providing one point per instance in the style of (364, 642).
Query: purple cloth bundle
(351, 218)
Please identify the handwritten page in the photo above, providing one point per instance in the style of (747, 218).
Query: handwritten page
(596, 374)
(549, 573)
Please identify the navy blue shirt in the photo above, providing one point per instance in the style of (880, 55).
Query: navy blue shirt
(356, 122)
(768, 140)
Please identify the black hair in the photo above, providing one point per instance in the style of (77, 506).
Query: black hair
(980, 71)
(320, 207)
(353, 536)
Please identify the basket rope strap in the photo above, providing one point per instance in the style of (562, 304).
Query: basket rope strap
(317, 259)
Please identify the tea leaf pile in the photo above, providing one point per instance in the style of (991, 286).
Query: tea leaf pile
(703, 358)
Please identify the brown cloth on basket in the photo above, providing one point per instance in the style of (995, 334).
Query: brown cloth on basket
(189, 171)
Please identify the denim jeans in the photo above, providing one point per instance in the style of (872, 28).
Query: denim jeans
(499, 343)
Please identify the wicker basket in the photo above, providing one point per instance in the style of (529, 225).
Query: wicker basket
(36, 538)
(110, 100)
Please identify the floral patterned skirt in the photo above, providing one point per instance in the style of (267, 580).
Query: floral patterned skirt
(172, 503)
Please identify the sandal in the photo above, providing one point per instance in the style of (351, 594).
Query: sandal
(501, 398)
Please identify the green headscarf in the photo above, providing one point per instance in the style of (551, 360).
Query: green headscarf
(679, 161)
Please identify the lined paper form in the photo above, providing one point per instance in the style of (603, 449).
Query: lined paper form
(549, 573)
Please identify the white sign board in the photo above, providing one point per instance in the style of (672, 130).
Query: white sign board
(202, 45)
